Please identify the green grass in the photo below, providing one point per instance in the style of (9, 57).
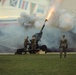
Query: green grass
(47, 64)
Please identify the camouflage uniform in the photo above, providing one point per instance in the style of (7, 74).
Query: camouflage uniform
(33, 43)
(63, 46)
(26, 42)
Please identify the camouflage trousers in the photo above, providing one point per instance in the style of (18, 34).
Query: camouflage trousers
(25, 47)
(61, 51)
(33, 47)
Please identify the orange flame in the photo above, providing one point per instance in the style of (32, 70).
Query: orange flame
(60, 1)
(50, 12)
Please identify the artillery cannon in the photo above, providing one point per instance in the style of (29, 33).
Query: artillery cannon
(38, 37)
(38, 47)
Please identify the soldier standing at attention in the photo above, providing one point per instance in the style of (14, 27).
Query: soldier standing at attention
(63, 46)
(26, 42)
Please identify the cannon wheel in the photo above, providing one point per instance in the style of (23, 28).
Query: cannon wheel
(19, 51)
(44, 48)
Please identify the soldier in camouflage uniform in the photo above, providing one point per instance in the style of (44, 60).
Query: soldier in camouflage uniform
(63, 46)
(26, 42)
(33, 43)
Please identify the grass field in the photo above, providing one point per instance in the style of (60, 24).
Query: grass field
(34, 64)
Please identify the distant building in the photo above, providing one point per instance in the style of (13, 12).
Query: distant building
(13, 8)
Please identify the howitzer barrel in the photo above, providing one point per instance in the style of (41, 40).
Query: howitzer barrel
(43, 25)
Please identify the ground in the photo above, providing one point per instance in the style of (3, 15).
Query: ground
(35, 64)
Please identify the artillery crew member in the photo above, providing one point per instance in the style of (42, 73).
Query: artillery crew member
(33, 43)
(63, 46)
(26, 43)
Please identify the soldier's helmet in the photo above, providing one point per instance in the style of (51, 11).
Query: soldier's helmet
(27, 37)
(63, 35)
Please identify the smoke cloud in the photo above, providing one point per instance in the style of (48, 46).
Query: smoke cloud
(27, 20)
(62, 22)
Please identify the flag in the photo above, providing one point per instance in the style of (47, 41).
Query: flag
(26, 5)
(41, 9)
(3, 1)
(32, 7)
(23, 4)
(13, 3)
(20, 3)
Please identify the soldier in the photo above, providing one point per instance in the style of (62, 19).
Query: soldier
(26, 42)
(33, 43)
(63, 46)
